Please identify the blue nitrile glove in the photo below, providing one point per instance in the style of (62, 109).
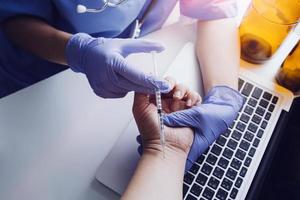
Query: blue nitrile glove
(103, 62)
(209, 119)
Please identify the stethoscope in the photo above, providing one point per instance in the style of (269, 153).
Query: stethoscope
(106, 3)
(135, 33)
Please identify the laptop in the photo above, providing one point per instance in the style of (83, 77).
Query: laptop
(234, 166)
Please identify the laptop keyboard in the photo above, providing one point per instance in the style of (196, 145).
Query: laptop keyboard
(219, 172)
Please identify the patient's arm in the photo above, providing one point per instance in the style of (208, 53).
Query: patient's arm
(158, 177)
(218, 52)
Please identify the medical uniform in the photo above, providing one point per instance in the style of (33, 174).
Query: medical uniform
(19, 68)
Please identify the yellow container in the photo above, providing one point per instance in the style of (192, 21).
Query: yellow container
(265, 26)
(289, 75)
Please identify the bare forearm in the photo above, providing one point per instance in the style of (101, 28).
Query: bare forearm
(218, 52)
(37, 37)
(157, 177)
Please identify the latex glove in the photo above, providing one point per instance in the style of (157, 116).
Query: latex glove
(103, 62)
(209, 119)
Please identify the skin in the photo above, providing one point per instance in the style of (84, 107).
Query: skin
(223, 45)
(164, 175)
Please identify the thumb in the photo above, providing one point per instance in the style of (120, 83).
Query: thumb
(141, 101)
(140, 46)
(179, 119)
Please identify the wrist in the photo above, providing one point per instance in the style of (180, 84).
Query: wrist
(170, 154)
(175, 144)
(220, 94)
(73, 51)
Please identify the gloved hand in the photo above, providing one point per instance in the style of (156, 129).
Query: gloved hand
(209, 119)
(103, 62)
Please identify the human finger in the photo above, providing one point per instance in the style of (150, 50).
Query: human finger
(179, 91)
(141, 46)
(140, 78)
(192, 98)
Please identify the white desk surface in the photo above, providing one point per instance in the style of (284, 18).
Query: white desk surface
(55, 134)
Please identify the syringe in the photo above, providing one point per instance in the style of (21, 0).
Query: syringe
(159, 107)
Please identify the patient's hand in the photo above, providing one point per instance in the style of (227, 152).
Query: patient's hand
(145, 113)
(156, 176)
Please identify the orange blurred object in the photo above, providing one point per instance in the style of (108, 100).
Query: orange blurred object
(289, 75)
(265, 26)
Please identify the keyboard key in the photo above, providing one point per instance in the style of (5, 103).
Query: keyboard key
(223, 163)
(243, 171)
(222, 194)
(252, 152)
(200, 159)
(216, 150)
(221, 140)
(196, 189)
(240, 126)
(264, 124)
(206, 151)
(231, 173)
(227, 153)
(267, 96)
(236, 135)
(185, 189)
(194, 169)
(263, 103)
(211, 159)
(218, 172)
(240, 154)
(188, 178)
(245, 118)
(268, 116)
(206, 169)
(232, 144)
(252, 127)
(271, 108)
(248, 136)
(232, 125)
(213, 182)
(238, 182)
(260, 111)
(275, 99)
(256, 142)
(226, 184)
(260, 133)
(240, 83)
(244, 145)
(236, 164)
(201, 179)
(256, 119)
(257, 93)
(252, 102)
(190, 197)
(248, 110)
(233, 193)
(208, 193)
(226, 133)
(247, 89)
(247, 162)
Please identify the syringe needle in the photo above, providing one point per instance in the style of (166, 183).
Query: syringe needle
(159, 107)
